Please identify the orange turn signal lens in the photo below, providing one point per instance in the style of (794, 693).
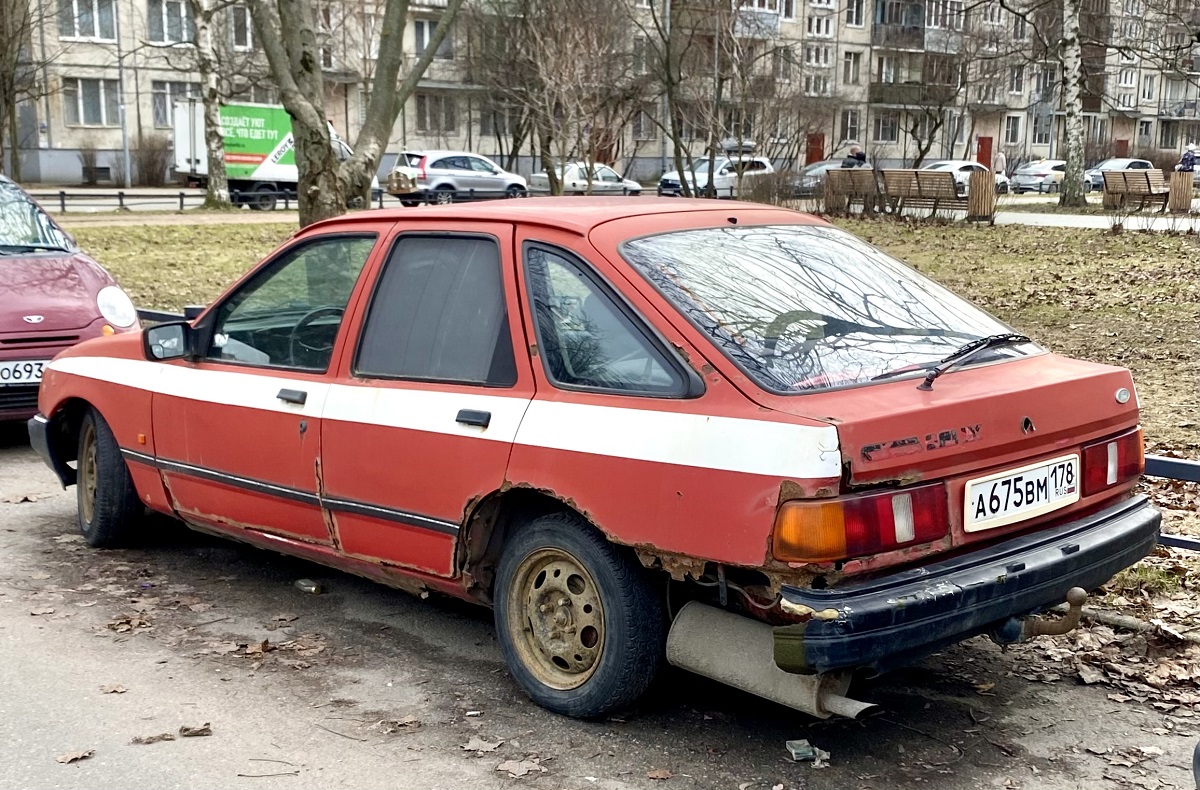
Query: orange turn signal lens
(107, 330)
(810, 532)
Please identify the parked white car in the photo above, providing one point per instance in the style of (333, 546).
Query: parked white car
(1096, 174)
(725, 176)
(1043, 175)
(574, 177)
(962, 170)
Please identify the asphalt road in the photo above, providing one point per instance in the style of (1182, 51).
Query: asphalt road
(365, 687)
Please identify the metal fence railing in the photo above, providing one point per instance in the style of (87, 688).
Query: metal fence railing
(1175, 469)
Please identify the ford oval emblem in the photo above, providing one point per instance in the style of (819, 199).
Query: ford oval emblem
(33, 319)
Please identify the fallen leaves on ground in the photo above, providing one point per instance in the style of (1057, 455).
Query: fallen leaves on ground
(127, 623)
(74, 757)
(195, 732)
(519, 768)
(402, 724)
(479, 745)
(116, 688)
(146, 740)
(661, 774)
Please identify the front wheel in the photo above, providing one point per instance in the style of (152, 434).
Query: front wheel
(515, 191)
(580, 625)
(108, 504)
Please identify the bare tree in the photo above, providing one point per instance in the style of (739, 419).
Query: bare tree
(21, 60)
(288, 32)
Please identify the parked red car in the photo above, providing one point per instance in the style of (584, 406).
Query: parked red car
(732, 436)
(51, 297)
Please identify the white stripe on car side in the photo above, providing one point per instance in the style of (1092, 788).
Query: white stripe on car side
(777, 449)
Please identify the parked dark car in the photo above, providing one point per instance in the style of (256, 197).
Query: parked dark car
(810, 180)
(51, 297)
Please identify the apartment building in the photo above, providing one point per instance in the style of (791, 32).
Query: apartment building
(802, 78)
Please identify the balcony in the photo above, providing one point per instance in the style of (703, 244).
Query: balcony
(911, 94)
(898, 37)
(1180, 108)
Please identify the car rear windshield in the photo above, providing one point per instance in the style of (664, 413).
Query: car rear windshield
(808, 307)
(24, 224)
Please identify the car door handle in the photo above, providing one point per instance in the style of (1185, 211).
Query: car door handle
(293, 396)
(472, 417)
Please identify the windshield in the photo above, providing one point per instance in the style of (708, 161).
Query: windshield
(806, 307)
(938, 166)
(23, 224)
(1113, 164)
(700, 166)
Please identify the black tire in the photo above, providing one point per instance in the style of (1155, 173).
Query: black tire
(108, 508)
(263, 198)
(442, 195)
(515, 191)
(629, 644)
(409, 202)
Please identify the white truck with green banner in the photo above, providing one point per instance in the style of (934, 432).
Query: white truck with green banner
(260, 157)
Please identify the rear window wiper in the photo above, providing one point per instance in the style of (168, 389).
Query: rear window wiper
(968, 350)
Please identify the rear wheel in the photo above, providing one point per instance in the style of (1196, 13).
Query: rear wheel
(263, 198)
(409, 202)
(581, 626)
(443, 195)
(108, 504)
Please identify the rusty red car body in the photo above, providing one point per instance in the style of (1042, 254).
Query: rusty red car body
(378, 433)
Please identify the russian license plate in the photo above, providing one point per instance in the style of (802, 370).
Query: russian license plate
(1017, 494)
(18, 373)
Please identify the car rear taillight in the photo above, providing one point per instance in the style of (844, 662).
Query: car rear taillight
(421, 169)
(1113, 462)
(821, 531)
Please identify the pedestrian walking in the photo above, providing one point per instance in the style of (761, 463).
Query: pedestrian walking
(852, 159)
(1000, 163)
(1187, 162)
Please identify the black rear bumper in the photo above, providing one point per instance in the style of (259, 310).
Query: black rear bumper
(887, 621)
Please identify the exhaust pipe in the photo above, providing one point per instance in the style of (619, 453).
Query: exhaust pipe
(739, 652)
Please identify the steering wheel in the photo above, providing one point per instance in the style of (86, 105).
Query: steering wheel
(306, 320)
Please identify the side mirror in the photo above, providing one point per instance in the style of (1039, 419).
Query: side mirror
(167, 341)
(496, 171)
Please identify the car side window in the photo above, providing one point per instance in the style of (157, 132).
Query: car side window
(1140, 166)
(288, 316)
(457, 163)
(439, 313)
(480, 166)
(607, 174)
(585, 339)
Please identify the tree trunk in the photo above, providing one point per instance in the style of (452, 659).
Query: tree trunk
(14, 146)
(217, 196)
(1072, 184)
(321, 192)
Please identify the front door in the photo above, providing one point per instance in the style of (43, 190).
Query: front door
(237, 430)
(418, 424)
(984, 153)
(814, 148)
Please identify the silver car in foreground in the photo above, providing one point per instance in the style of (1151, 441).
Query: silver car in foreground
(450, 177)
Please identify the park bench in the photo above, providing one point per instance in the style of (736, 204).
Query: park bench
(844, 187)
(932, 189)
(1145, 186)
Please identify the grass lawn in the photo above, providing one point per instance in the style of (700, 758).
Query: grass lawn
(1131, 299)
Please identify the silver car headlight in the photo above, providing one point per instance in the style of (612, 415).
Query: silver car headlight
(116, 307)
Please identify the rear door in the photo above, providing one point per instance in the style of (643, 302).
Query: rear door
(237, 431)
(419, 422)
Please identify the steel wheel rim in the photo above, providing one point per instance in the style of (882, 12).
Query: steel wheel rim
(87, 475)
(556, 619)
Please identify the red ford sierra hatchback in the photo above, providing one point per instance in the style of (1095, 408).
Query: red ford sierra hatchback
(731, 437)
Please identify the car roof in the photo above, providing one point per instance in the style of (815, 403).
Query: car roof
(574, 214)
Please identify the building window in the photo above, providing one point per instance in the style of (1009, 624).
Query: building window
(850, 129)
(424, 33)
(640, 51)
(90, 102)
(760, 5)
(988, 93)
(1148, 86)
(886, 128)
(1132, 29)
(496, 121)
(885, 69)
(644, 127)
(1012, 130)
(816, 85)
(854, 13)
(788, 9)
(1134, 8)
(945, 15)
(1126, 100)
(1168, 134)
(1041, 129)
(241, 29)
(168, 21)
(821, 3)
(851, 68)
(1045, 80)
(1099, 130)
(86, 19)
(1016, 79)
(993, 14)
(1127, 78)
(820, 26)
(781, 64)
(1020, 28)
(165, 94)
(435, 113)
(816, 55)
(1145, 130)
